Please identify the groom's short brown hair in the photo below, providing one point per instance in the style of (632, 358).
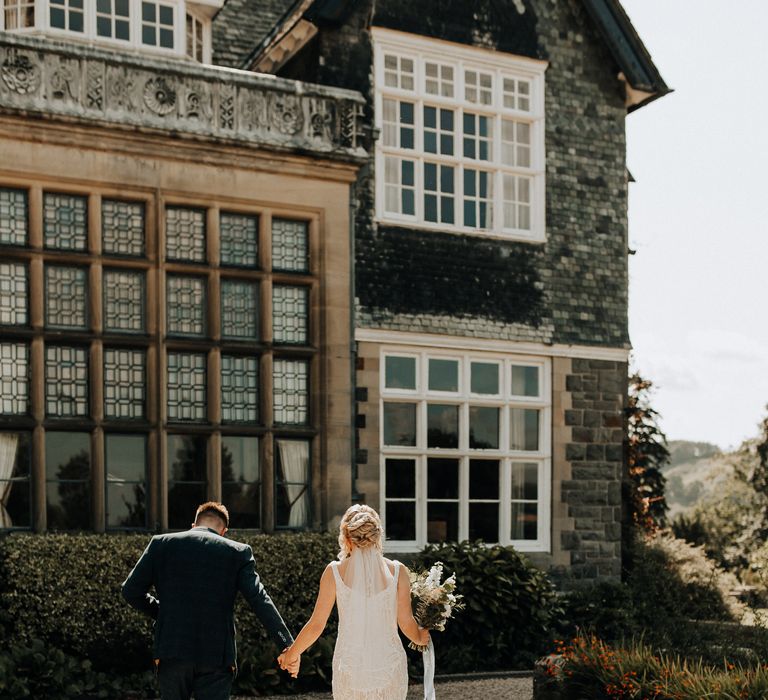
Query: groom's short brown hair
(212, 508)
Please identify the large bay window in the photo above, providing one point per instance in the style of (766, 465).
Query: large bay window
(165, 26)
(465, 449)
(461, 145)
(184, 356)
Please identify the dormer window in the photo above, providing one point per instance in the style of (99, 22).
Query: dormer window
(162, 26)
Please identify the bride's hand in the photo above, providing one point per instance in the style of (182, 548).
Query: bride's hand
(290, 661)
(424, 634)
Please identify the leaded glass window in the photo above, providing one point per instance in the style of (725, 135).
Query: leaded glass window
(290, 314)
(292, 471)
(186, 304)
(65, 218)
(15, 492)
(124, 296)
(14, 217)
(185, 234)
(13, 294)
(239, 309)
(290, 245)
(290, 384)
(66, 297)
(124, 383)
(122, 227)
(186, 387)
(66, 381)
(14, 379)
(239, 389)
(126, 462)
(68, 480)
(239, 239)
(241, 480)
(187, 478)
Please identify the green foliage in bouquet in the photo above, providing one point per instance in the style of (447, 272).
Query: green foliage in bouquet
(63, 591)
(510, 607)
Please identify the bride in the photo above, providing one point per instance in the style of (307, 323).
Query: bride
(374, 597)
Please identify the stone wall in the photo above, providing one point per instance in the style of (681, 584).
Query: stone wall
(595, 458)
(572, 288)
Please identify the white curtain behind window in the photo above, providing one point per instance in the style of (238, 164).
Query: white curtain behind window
(8, 444)
(294, 457)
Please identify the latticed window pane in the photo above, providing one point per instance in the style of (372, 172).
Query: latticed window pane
(186, 305)
(239, 309)
(66, 381)
(186, 387)
(14, 378)
(122, 226)
(185, 234)
(239, 389)
(290, 249)
(239, 239)
(66, 297)
(291, 391)
(124, 383)
(13, 294)
(123, 300)
(289, 314)
(65, 219)
(13, 217)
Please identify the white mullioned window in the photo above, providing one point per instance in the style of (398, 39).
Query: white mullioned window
(461, 145)
(18, 14)
(164, 26)
(465, 448)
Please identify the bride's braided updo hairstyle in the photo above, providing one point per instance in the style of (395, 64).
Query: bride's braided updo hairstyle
(361, 526)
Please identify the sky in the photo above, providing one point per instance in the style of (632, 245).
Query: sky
(698, 218)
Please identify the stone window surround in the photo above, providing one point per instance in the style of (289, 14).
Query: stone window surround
(29, 333)
(505, 457)
(462, 57)
(181, 9)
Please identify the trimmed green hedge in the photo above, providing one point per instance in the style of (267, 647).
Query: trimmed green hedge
(65, 591)
(511, 607)
(61, 593)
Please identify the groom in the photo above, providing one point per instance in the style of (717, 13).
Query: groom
(196, 575)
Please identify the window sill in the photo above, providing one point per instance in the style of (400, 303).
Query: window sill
(535, 238)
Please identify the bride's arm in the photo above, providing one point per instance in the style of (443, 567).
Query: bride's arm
(326, 597)
(405, 618)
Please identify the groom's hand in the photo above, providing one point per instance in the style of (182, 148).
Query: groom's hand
(290, 661)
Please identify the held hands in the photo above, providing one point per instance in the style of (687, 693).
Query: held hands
(290, 661)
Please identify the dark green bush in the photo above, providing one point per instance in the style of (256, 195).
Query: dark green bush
(65, 590)
(510, 608)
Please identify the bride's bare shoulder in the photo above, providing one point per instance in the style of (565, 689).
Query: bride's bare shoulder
(391, 564)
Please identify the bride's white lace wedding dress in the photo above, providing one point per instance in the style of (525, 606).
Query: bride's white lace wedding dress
(369, 661)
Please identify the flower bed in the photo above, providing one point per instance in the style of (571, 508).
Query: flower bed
(587, 667)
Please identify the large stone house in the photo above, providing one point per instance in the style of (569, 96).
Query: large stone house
(452, 349)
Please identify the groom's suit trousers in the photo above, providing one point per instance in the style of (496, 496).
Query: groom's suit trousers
(179, 680)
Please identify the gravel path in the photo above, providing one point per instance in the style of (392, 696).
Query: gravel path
(485, 689)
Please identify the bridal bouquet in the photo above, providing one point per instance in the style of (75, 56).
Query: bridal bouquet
(433, 602)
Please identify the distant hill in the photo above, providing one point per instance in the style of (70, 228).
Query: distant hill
(694, 471)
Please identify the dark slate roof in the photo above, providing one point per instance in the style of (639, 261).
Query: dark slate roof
(627, 48)
(243, 24)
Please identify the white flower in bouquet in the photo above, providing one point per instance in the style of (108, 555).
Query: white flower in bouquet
(433, 602)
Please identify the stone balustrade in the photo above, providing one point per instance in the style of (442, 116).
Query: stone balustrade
(46, 78)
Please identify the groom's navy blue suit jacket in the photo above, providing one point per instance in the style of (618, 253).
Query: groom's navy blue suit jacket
(197, 575)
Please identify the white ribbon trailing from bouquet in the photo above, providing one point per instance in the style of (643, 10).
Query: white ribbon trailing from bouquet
(429, 671)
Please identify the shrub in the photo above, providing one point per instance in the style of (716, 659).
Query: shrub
(65, 590)
(590, 668)
(510, 607)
